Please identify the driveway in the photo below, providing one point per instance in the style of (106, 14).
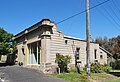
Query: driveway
(21, 74)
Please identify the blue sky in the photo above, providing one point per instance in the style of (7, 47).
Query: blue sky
(17, 15)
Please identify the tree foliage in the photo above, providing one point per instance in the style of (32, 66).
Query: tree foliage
(112, 45)
(62, 62)
(7, 45)
(116, 48)
(116, 65)
(105, 43)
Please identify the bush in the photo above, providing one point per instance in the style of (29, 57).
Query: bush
(116, 65)
(62, 62)
(73, 70)
(96, 68)
(99, 68)
(107, 69)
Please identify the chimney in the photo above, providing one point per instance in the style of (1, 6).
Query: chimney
(91, 40)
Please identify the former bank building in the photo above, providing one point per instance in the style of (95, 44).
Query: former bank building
(37, 46)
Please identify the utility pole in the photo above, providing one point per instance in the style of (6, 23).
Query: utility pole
(88, 38)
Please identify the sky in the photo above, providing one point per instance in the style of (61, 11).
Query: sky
(17, 15)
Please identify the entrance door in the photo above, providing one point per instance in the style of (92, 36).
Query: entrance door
(39, 52)
(34, 53)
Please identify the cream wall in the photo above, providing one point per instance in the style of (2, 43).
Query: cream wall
(104, 59)
(20, 53)
(52, 42)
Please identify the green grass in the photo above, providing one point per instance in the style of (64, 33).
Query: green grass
(71, 77)
(114, 70)
(98, 76)
(114, 80)
(75, 77)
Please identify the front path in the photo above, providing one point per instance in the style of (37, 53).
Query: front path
(21, 74)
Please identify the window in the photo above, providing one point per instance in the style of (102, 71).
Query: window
(101, 56)
(101, 52)
(77, 53)
(66, 41)
(73, 42)
(23, 51)
(95, 51)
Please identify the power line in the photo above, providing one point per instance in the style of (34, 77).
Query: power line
(113, 10)
(116, 6)
(82, 1)
(110, 16)
(83, 11)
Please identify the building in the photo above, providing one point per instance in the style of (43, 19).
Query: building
(38, 45)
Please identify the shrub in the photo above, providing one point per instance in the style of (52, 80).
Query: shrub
(107, 69)
(73, 70)
(116, 65)
(62, 62)
(97, 68)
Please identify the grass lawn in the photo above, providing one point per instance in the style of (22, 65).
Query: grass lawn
(71, 77)
(98, 76)
(114, 70)
(114, 80)
(75, 77)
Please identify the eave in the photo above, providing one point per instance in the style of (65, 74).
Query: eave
(32, 28)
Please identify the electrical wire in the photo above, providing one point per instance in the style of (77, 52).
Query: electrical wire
(110, 17)
(83, 11)
(114, 12)
(116, 7)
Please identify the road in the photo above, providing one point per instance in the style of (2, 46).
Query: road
(21, 74)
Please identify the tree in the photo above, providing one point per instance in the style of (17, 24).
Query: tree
(113, 46)
(116, 48)
(62, 62)
(105, 43)
(7, 44)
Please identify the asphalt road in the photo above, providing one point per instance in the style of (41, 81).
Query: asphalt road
(21, 74)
